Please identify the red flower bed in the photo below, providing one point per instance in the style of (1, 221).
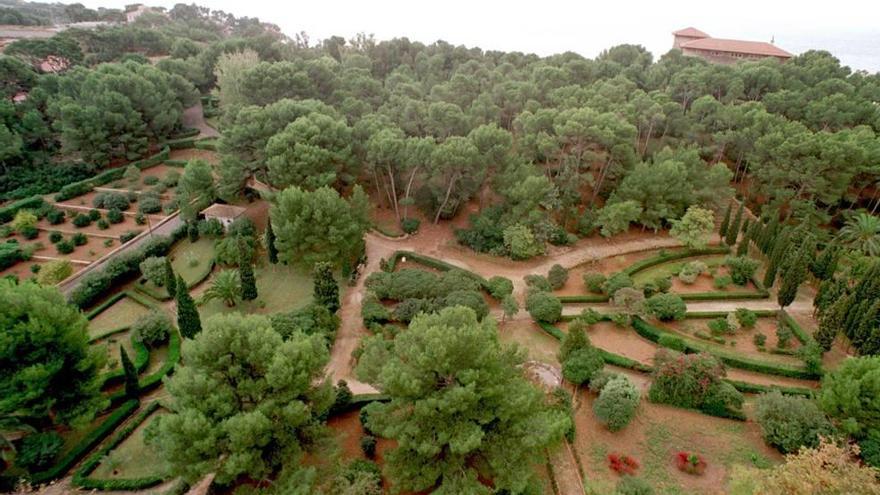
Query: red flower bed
(622, 464)
(690, 463)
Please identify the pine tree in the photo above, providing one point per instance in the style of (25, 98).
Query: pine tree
(132, 387)
(733, 228)
(271, 250)
(722, 230)
(170, 279)
(325, 289)
(188, 319)
(792, 278)
(248, 280)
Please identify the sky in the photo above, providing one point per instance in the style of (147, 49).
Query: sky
(847, 28)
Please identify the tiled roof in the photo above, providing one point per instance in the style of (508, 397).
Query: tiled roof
(691, 33)
(225, 211)
(737, 46)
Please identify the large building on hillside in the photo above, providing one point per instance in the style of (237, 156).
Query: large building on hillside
(695, 43)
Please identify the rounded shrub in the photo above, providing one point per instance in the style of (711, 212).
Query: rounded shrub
(152, 329)
(103, 224)
(55, 216)
(79, 239)
(790, 422)
(594, 282)
(54, 271)
(617, 403)
(115, 216)
(557, 276)
(82, 220)
(39, 450)
(746, 317)
(499, 287)
(410, 225)
(582, 365)
(149, 203)
(64, 247)
(672, 342)
(29, 232)
(543, 306)
(616, 282)
(151, 180)
(55, 236)
(666, 307)
(94, 215)
(368, 446)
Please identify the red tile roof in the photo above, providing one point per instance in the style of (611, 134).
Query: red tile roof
(690, 33)
(737, 46)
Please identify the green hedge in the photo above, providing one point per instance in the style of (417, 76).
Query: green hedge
(433, 263)
(387, 233)
(592, 298)
(7, 213)
(653, 333)
(752, 388)
(162, 294)
(675, 255)
(798, 331)
(110, 301)
(81, 479)
(176, 163)
(134, 296)
(141, 360)
(84, 186)
(153, 380)
(360, 400)
(87, 444)
(186, 132)
(207, 144)
(761, 313)
(723, 296)
(607, 356)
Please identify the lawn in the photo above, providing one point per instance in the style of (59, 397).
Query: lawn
(671, 268)
(112, 344)
(124, 312)
(133, 458)
(190, 260)
(281, 288)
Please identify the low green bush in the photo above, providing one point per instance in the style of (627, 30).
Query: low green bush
(672, 342)
(55, 237)
(617, 403)
(410, 225)
(79, 239)
(666, 307)
(790, 422)
(152, 329)
(594, 282)
(81, 220)
(38, 450)
(543, 306)
(64, 247)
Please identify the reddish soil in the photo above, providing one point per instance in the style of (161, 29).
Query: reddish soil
(743, 338)
(23, 271)
(623, 341)
(113, 231)
(704, 284)
(575, 284)
(82, 204)
(654, 437)
(193, 154)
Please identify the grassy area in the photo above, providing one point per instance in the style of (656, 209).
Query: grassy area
(672, 268)
(121, 314)
(133, 458)
(112, 343)
(280, 288)
(190, 260)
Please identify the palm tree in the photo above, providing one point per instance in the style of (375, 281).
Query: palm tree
(226, 287)
(862, 233)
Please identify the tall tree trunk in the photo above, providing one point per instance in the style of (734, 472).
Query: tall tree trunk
(647, 138)
(393, 192)
(409, 184)
(601, 181)
(452, 182)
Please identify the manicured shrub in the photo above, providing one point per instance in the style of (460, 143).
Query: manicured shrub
(663, 284)
(94, 215)
(690, 271)
(410, 225)
(103, 224)
(557, 276)
(110, 200)
(719, 326)
(152, 329)
(759, 339)
(723, 400)
(115, 216)
(746, 317)
(343, 397)
(500, 287)
(616, 282)
(35, 268)
(151, 180)
(55, 216)
(127, 236)
(543, 306)
(82, 220)
(54, 271)
(582, 365)
(55, 237)
(617, 403)
(39, 450)
(149, 203)
(538, 282)
(666, 307)
(29, 232)
(789, 422)
(153, 269)
(742, 268)
(722, 282)
(79, 239)
(693, 381)
(64, 247)
(594, 282)
(171, 178)
(783, 336)
(24, 219)
(140, 218)
(470, 299)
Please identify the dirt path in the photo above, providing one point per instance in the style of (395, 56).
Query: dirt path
(565, 468)
(195, 117)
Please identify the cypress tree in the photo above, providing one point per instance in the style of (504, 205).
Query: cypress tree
(192, 229)
(830, 324)
(743, 248)
(733, 228)
(188, 319)
(770, 233)
(248, 280)
(575, 339)
(722, 230)
(132, 387)
(170, 279)
(826, 264)
(868, 322)
(792, 278)
(271, 250)
(325, 289)
(779, 247)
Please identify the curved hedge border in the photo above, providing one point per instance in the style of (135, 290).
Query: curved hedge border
(625, 362)
(141, 360)
(155, 379)
(7, 213)
(653, 334)
(75, 189)
(209, 144)
(160, 296)
(88, 443)
(676, 255)
(433, 263)
(81, 479)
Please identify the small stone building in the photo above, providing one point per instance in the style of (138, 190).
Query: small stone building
(225, 214)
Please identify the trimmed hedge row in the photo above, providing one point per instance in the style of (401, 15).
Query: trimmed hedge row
(592, 298)
(122, 265)
(753, 388)
(721, 296)
(162, 295)
(7, 213)
(88, 443)
(653, 334)
(762, 313)
(432, 263)
(186, 132)
(209, 144)
(387, 233)
(798, 331)
(81, 479)
(176, 163)
(110, 301)
(84, 186)
(676, 255)
(154, 380)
